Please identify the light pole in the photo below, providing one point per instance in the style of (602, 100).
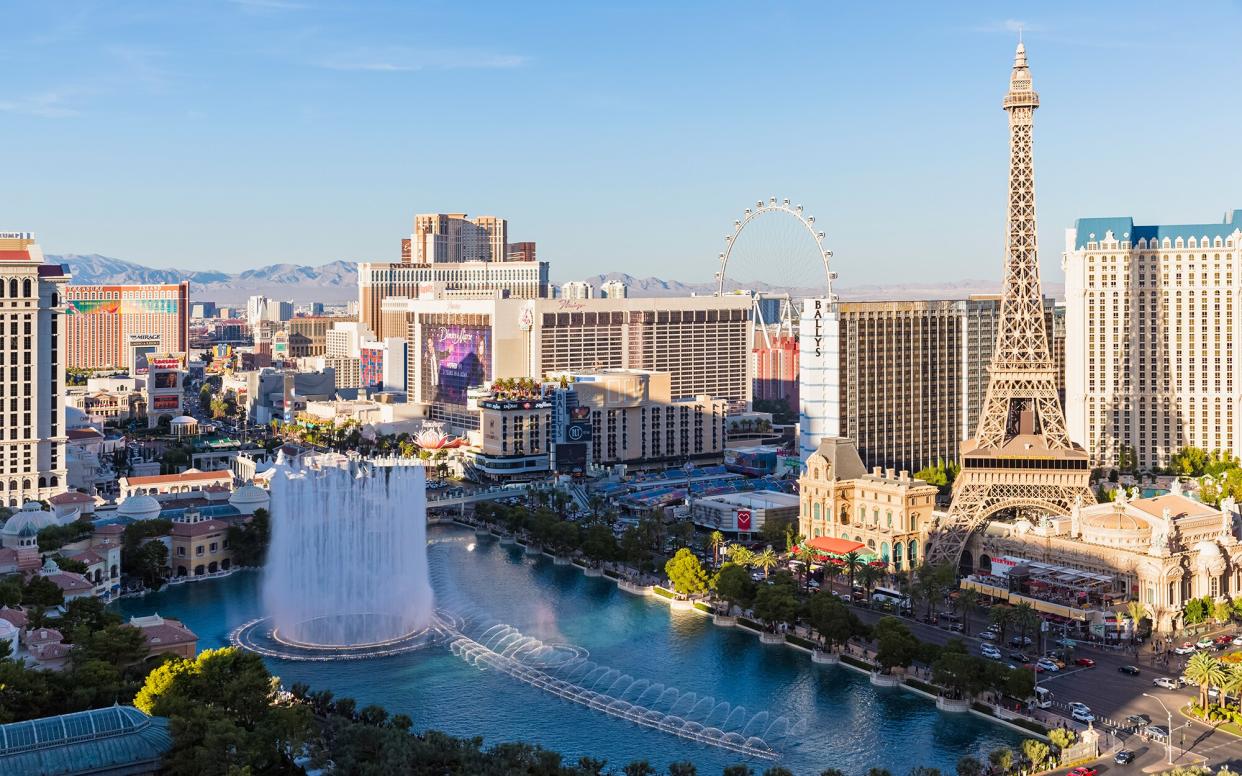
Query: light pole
(1168, 739)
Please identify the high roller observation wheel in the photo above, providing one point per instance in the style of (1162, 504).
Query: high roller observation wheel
(762, 208)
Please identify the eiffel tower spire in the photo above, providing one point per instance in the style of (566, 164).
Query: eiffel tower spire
(1021, 457)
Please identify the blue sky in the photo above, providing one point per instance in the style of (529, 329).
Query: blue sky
(620, 137)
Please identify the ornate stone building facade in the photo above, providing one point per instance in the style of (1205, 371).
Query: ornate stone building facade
(886, 510)
(1161, 551)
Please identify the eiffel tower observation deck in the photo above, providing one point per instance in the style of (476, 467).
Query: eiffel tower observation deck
(1020, 460)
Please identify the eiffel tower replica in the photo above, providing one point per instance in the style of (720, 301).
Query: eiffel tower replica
(1021, 459)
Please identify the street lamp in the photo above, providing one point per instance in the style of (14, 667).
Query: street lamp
(1168, 739)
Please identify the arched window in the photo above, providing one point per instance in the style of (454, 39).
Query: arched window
(912, 552)
(914, 521)
(26, 287)
(884, 551)
(845, 515)
(871, 544)
(889, 515)
(815, 511)
(13, 287)
(897, 548)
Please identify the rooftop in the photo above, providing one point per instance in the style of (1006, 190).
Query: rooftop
(118, 739)
(1178, 506)
(1123, 228)
(186, 476)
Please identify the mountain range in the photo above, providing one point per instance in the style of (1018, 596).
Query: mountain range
(337, 282)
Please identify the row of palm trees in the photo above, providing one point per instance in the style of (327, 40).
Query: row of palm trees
(1208, 671)
(851, 565)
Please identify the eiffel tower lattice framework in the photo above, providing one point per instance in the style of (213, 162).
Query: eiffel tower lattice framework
(1021, 458)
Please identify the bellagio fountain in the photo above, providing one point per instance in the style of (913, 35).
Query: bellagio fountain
(346, 573)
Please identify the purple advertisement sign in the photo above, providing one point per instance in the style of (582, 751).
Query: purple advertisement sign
(455, 357)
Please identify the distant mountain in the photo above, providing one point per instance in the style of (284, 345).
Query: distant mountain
(337, 282)
(334, 282)
(652, 286)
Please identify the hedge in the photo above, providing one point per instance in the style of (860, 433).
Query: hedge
(920, 685)
(662, 592)
(611, 573)
(849, 659)
(801, 642)
(702, 607)
(749, 623)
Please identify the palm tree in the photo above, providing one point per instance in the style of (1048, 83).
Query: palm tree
(1232, 684)
(967, 600)
(1205, 671)
(1137, 612)
(717, 542)
(740, 555)
(1025, 619)
(871, 576)
(1002, 618)
(853, 562)
(766, 560)
(831, 570)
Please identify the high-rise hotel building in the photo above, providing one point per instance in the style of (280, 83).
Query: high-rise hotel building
(451, 254)
(1153, 318)
(103, 320)
(913, 375)
(32, 372)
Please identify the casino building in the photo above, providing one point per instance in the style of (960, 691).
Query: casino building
(101, 321)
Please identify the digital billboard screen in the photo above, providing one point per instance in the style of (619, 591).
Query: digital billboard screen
(165, 379)
(455, 357)
(165, 402)
(571, 458)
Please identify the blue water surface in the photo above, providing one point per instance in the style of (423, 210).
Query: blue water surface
(848, 724)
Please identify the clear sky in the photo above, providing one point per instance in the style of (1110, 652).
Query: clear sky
(619, 136)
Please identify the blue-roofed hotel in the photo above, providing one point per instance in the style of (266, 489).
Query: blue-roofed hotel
(1152, 312)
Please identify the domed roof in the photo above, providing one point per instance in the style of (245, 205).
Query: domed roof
(140, 507)
(29, 521)
(249, 496)
(185, 419)
(1114, 521)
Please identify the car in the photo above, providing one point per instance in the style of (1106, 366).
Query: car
(1020, 641)
(990, 652)
(1084, 716)
(1138, 720)
(1083, 770)
(1185, 649)
(1129, 670)
(1021, 657)
(1156, 732)
(1052, 657)
(1079, 705)
(1237, 640)
(956, 627)
(1067, 643)
(1223, 641)
(1124, 757)
(1085, 662)
(1165, 683)
(1047, 665)
(988, 636)
(1203, 643)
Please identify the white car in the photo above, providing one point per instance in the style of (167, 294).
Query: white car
(1165, 683)
(990, 652)
(1048, 665)
(988, 636)
(1185, 649)
(1082, 714)
(1076, 705)
(1237, 641)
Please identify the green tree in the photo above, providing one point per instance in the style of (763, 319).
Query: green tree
(967, 602)
(53, 537)
(766, 560)
(853, 562)
(226, 715)
(1001, 759)
(41, 591)
(686, 573)
(1207, 672)
(776, 603)
(639, 768)
(85, 615)
(832, 620)
(734, 585)
(895, 645)
(1062, 737)
(1036, 752)
(717, 542)
(1189, 462)
(249, 541)
(969, 766)
(1002, 617)
(682, 769)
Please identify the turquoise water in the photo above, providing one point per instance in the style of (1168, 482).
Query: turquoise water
(848, 724)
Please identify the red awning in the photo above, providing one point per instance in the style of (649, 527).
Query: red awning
(831, 546)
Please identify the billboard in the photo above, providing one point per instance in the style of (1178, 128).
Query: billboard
(165, 402)
(571, 458)
(455, 357)
(743, 520)
(164, 380)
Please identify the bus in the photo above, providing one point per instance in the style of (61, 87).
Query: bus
(889, 595)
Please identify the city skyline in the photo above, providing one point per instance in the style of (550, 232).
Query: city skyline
(328, 128)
